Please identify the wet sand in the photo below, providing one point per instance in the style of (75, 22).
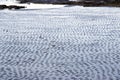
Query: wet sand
(68, 43)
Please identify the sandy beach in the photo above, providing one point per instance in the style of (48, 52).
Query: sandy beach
(60, 43)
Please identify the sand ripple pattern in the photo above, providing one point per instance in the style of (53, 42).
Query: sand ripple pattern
(71, 43)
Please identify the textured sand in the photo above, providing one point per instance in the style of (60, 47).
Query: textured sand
(70, 43)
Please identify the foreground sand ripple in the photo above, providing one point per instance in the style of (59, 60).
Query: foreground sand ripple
(70, 43)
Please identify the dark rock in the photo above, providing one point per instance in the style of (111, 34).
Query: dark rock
(15, 7)
(3, 6)
(11, 7)
(92, 3)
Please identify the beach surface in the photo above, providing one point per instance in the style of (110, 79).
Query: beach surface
(60, 43)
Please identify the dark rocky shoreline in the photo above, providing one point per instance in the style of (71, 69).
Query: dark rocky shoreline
(92, 4)
(11, 7)
(85, 4)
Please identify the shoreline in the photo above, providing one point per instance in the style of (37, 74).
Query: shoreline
(16, 5)
(29, 6)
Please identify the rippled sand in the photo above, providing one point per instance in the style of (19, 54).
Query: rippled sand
(68, 43)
